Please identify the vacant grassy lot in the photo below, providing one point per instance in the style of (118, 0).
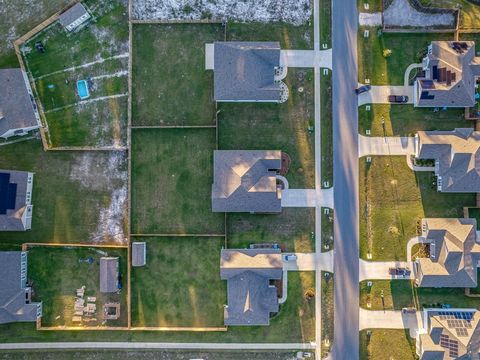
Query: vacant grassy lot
(77, 196)
(293, 227)
(173, 291)
(327, 128)
(290, 36)
(403, 293)
(170, 84)
(387, 344)
(327, 311)
(272, 126)
(101, 49)
(469, 13)
(294, 323)
(327, 230)
(390, 71)
(405, 120)
(56, 273)
(393, 200)
(172, 175)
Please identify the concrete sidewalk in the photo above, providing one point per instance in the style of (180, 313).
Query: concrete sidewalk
(378, 270)
(388, 145)
(379, 94)
(390, 319)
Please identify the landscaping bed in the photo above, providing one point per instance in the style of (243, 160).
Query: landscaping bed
(170, 84)
(172, 175)
(387, 344)
(56, 273)
(393, 200)
(78, 197)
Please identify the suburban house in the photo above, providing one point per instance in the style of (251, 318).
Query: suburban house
(452, 334)
(139, 253)
(18, 110)
(108, 274)
(73, 17)
(245, 71)
(15, 200)
(250, 296)
(15, 294)
(451, 68)
(457, 158)
(454, 254)
(245, 181)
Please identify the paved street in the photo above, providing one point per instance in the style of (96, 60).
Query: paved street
(388, 145)
(345, 152)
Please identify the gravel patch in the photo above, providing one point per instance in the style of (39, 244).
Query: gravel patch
(293, 12)
(370, 19)
(401, 13)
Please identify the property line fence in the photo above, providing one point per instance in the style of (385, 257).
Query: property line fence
(174, 126)
(129, 164)
(179, 21)
(177, 235)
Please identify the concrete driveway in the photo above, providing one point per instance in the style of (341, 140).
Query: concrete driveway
(307, 197)
(306, 58)
(388, 145)
(390, 319)
(379, 94)
(378, 270)
(308, 261)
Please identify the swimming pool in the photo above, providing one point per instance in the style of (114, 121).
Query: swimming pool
(82, 89)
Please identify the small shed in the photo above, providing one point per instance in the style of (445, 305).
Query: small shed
(139, 253)
(108, 274)
(74, 17)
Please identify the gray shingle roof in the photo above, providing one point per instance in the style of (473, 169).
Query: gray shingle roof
(457, 154)
(108, 274)
(139, 253)
(454, 254)
(16, 104)
(245, 71)
(72, 14)
(459, 65)
(12, 220)
(13, 307)
(245, 181)
(250, 296)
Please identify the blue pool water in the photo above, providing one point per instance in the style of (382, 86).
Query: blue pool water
(82, 89)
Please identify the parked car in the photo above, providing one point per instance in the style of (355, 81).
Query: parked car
(291, 257)
(400, 99)
(362, 89)
(409, 310)
(399, 271)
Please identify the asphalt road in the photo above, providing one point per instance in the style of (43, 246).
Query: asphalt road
(345, 167)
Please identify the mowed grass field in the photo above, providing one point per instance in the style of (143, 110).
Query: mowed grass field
(56, 273)
(77, 196)
(405, 120)
(170, 84)
(180, 284)
(387, 344)
(393, 200)
(98, 52)
(403, 293)
(172, 175)
(390, 71)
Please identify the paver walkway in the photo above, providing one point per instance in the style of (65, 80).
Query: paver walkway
(379, 94)
(378, 270)
(307, 198)
(388, 145)
(306, 58)
(309, 262)
(390, 319)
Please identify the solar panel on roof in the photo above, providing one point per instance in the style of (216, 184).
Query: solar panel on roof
(8, 193)
(461, 332)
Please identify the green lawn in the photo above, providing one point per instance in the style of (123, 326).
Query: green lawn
(170, 84)
(325, 23)
(272, 126)
(393, 200)
(469, 13)
(172, 175)
(78, 197)
(327, 230)
(373, 6)
(406, 120)
(327, 311)
(173, 291)
(295, 323)
(70, 121)
(293, 227)
(390, 71)
(403, 293)
(327, 127)
(474, 212)
(387, 344)
(290, 36)
(56, 273)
